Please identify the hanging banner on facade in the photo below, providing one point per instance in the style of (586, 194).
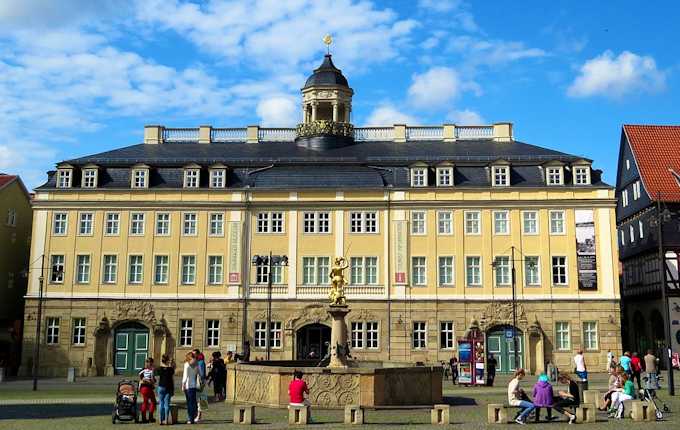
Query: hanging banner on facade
(586, 259)
(234, 252)
(400, 252)
(674, 321)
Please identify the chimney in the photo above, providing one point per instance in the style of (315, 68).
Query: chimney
(449, 132)
(252, 134)
(502, 132)
(400, 133)
(204, 134)
(153, 134)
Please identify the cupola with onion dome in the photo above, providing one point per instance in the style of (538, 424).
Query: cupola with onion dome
(326, 108)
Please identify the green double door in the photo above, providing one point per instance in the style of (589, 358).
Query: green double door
(501, 346)
(131, 349)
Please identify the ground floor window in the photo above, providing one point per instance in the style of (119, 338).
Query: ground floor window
(419, 335)
(261, 334)
(52, 331)
(590, 335)
(213, 333)
(79, 331)
(186, 332)
(562, 336)
(446, 337)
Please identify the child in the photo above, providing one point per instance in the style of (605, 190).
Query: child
(146, 387)
(166, 387)
(543, 396)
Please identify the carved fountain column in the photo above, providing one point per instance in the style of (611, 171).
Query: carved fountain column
(339, 344)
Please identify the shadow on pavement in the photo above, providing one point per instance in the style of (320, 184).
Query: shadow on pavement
(53, 411)
(459, 401)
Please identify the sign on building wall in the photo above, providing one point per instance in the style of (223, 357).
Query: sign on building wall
(674, 314)
(234, 252)
(586, 259)
(400, 252)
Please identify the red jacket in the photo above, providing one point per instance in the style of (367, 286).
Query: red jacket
(635, 364)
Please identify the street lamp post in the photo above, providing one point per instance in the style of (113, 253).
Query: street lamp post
(270, 261)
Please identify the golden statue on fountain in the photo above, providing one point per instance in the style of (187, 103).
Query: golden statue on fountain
(337, 293)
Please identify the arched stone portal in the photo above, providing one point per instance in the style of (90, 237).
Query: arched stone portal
(312, 337)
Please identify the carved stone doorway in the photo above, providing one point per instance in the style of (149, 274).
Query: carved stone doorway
(312, 337)
(499, 342)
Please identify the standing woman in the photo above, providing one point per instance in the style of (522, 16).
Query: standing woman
(166, 387)
(190, 382)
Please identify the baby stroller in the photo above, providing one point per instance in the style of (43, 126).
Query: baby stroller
(125, 406)
(648, 393)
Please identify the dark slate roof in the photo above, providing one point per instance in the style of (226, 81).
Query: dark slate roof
(327, 74)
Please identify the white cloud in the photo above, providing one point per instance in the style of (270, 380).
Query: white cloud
(465, 117)
(387, 114)
(492, 52)
(52, 14)
(439, 5)
(615, 77)
(279, 111)
(434, 88)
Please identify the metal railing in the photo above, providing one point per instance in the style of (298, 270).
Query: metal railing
(276, 134)
(367, 134)
(474, 132)
(179, 135)
(228, 135)
(424, 133)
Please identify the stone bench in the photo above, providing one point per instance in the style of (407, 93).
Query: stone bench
(440, 415)
(642, 411)
(497, 413)
(298, 415)
(592, 397)
(586, 413)
(354, 415)
(173, 414)
(244, 414)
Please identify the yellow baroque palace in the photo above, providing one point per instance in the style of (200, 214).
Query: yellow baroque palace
(149, 248)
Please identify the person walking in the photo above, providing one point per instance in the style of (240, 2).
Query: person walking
(218, 375)
(491, 364)
(454, 369)
(624, 362)
(166, 388)
(636, 369)
(191, 379)
(515, 396)
(580, 366)
(146, 389)
(651, 369)
(201, 395)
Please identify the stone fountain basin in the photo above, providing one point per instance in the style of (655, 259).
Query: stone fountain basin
(369, 384)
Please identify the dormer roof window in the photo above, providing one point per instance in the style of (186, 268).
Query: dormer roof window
(192, 176)
(89, 177)
(582, 175)
(218, 176)
(554, 175)
(64, 176)
(419, 176)
(444, 175)
(140, 176)
(500, 175)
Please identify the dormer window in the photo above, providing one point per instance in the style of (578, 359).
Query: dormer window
(64, 178)
(554, 175)
(419, 176)
(500, 176)
(582, 175)
(445, 176)
(218, 177)
(191, 178)
(89, 179)
(140, 178)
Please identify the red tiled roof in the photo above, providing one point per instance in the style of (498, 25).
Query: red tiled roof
(6, 179)
(656, 149)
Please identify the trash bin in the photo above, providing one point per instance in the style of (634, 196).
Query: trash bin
(71, 375)
(582, 386)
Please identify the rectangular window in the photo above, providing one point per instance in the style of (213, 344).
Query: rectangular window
(275, 334)
(57, 269)
(191, 178)
(372, 335)
(186, 332)
(188, 269)
(212, 333)
(556, 222)
(270, 222)
(444, 176)
(260, 334)
(89, 178)
(316, 222)
(216, 224)
(581, 175)
(445, 271)
(501, 222)
(636, 190)
(215, 270)
(83, 269)
(419, 335)
(363, 222)
(418, 271)
(532, 270)
(64, 178)
(641, 228)
(323, 270)
(85, 224)
(623, 237)
(446, 337)
(135, 270)
(356, 265)
(277, 222)
(60, 225)
(445, 222)
(472, 222)
(11, 217)
(262, 274)
(162, 224)
(189, 225)
(315, 270)
(161, 267)
(371, 272)
(530, 222)
(559, 270)
(357, 335)
(590, 340)
(110, 273)
(473, 271)
(502, 270)
(217, 178)
(139, 178)
(419, 177)
(78, 331)
(554, 175)
(112, 227)
(137, 223)
(631, 231)
(52, 331)
(624, 198)
(562, 336)
(418, 222)
(501, 176)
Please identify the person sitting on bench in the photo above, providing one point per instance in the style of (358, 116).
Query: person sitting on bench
(297, 390)
(515, 396)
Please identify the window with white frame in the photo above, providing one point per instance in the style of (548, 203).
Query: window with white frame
(641, 228)
(212, 333)
(624, 198)
(260, 338)
(627, 164)
(357, 335)
(473, 271)
(372, 335)
(82, 269)
(215, 270)
(188, 269)
(217, 178)
(262, 274)
(190, 221)
(446, 335)
(85, 223)
(445, 271)
(445, 222)
(316, 222)
(140, 178)
(419, 177)
(112, 224)
(472, 222)
(110, 272)
(500, 176)
(419, 335)
(315, 270)
(160, 268)
(418, 271)
(636, 190)
(186, 332)
(631, 231)
(444, 176)
(532, 270)
(276, 334)
(135, 269)
(137, 223)
(57, 269)
(501, 222)
(554, 175)
(78, 337)
(623, 236)
(364, 270)
(502, 268)
(556, 222)
(89, 178)
(530, 222)
(364, 335)
(363, 222)
(559, 270)
(562, 336)
(418, 222)
(270, 222)
(216, 224)
(162, 224)
(582, 175)
(590, 340)
(60, 223)
(52, 331)
(191, 178)
(64, 177)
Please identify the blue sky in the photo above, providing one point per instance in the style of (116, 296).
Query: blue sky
(84, 76)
